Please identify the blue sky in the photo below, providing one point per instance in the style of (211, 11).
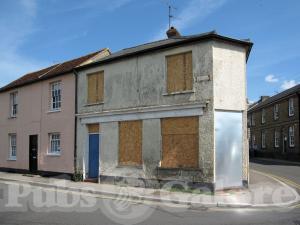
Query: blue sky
(38, 33)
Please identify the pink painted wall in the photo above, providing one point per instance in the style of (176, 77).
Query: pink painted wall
(34, 118)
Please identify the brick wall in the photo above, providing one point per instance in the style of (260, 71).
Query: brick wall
(281, 125)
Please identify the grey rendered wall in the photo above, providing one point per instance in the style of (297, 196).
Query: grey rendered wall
(141, 82)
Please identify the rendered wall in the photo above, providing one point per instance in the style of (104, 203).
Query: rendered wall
(229, 74)
(34, 118)
(139, 83)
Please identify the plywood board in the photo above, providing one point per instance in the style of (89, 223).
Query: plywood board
(180, 142)
(93, 128)
(95, 87)
(179, 72)
(180, 125)
(188, 71)
(130, 143)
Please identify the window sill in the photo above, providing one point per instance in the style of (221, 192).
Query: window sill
(179, 93)
(129, 166)
(54, 111)
(53, 154)
(179, 168)
(12, 159)
(93, 104)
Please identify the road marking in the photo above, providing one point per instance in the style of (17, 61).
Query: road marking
(285, 180)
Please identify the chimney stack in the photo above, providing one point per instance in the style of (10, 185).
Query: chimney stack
(173, 33)
(263, 98)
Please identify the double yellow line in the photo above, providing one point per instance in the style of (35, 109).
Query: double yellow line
(284, 180)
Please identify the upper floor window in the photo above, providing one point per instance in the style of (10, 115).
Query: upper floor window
(263, 116)
(54, 144)
(263, 139)
(276, 138)
(179, 72)
(95, 86)
(276, 111)
(252, 119)
(292, 136)
(13, 104)
(291, 107)
(12, 146)
(55, 96)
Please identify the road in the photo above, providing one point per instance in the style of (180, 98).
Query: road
(290, 172)
(39, 207)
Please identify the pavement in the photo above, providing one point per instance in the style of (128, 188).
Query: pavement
(264, 191)
(65, 207)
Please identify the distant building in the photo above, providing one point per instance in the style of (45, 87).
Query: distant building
(274, 125)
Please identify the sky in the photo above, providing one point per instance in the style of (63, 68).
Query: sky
(38, 33)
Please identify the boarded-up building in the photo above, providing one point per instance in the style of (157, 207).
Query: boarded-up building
(168, 110)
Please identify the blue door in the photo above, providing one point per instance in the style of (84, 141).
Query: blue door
(94, 141)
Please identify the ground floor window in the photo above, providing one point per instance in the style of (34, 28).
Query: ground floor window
(276, 138)
(54, 148)
(130, 143)
(180, 142)
(253, 141)
(263, 139)
(292, 136)
(12, 146)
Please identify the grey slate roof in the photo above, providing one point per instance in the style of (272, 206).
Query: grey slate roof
(170, 42)
(274, 98)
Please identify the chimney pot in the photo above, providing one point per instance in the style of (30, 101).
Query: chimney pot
(173, 32)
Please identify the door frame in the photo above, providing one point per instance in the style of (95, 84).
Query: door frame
(88, 154)
(216, 151)
(30, 154)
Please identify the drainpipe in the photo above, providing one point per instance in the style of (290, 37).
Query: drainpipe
(75, 131)
(298, 95)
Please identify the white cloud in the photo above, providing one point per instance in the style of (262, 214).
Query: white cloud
(196, 10)
(288, 84)
(271, 79)
(17, 23)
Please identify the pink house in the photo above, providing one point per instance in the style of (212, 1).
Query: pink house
(37, 122)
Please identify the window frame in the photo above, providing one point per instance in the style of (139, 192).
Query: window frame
(13, 104)
(11, 145)
(263, 116)
(263, 139)
(167, 92)
(253, 141)
(291, 107)
(276, 139)
(276, 111)
(100, 76)
(57, 99)
(57, 142)
(292, 137)
(252, 119)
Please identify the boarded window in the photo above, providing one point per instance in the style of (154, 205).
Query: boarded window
(179, 72)
(93, 128)
(180, 141)
(95, 87)
(130, 143)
